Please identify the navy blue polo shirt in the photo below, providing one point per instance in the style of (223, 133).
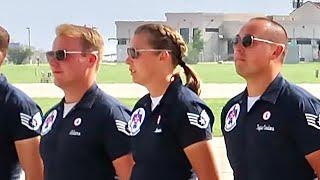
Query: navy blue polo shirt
(84, 143)
(159, 136)
(273, 138)
(20, 118)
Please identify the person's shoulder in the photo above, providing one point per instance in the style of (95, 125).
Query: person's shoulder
(142, 101)
(14, 97)
(295, 93)
(52, 108)
(113, 112)
(234, 100)
(105, 99)
(22, 111)
(108, 103)
(189, 101)
(187, 95)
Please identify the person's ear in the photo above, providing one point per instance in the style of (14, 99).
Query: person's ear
(2, 56)
(93, 58)
(279, 50)
(164, 55)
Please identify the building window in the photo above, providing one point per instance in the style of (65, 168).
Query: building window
(230, 46)
(303, 41)
(185, 34)
(195, 33)
(212, 29)
(122, 41)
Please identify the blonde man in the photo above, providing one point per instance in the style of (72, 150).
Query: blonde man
(80, 138)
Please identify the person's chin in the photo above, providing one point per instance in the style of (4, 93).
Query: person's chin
(58, 82)
(240, 72)
(137, 81)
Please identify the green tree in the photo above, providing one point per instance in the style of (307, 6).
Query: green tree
(195, 47)
(18, 54)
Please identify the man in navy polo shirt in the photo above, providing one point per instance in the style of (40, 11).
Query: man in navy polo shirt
(20, 119)
(82, 136)
(272, 128)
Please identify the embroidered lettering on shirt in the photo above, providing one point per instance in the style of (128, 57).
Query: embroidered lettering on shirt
(74, 133)
(264, 128)
(158, 128)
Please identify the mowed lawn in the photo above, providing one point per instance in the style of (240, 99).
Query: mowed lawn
(216, 106)
(209, 73)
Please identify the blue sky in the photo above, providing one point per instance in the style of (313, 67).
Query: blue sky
(42, 16)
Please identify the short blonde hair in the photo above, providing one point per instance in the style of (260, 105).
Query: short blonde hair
(92, 39)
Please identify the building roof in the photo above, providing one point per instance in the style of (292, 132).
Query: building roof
(317, 4)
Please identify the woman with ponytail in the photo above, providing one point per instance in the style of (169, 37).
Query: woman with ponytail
(171, 127)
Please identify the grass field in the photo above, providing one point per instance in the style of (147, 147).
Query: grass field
(215, 105)
(209, 73)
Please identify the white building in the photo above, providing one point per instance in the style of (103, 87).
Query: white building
(303, 28)
(218, 29)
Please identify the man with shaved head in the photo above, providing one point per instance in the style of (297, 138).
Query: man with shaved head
(272, 128)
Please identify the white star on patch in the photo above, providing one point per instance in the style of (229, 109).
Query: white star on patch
(31, 122)
(201, 121)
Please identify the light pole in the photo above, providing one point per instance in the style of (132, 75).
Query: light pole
(29, 45)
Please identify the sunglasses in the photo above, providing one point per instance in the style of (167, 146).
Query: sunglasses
(248, 39)
(135, 53)
(61, 55)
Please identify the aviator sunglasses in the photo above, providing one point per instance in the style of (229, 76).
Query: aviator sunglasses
(61, 55)
(248, 39)
(135, 53)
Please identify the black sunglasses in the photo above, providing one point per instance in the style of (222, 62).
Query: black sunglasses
(248, 39)
(135, 53)
(61, 55)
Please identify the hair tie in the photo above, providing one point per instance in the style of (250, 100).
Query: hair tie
(182, 63)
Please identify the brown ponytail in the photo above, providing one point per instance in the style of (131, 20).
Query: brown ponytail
(164, 37)
(192, 79)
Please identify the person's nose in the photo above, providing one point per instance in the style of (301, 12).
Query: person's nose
(128, 60)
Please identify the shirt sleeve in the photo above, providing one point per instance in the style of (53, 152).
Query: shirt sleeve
(222, 119)
(117, 139)
(305, 126)
(194, 124)
(24, 119)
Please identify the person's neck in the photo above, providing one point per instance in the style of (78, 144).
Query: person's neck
(159, 86)
(257, 85)
(75, 92)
